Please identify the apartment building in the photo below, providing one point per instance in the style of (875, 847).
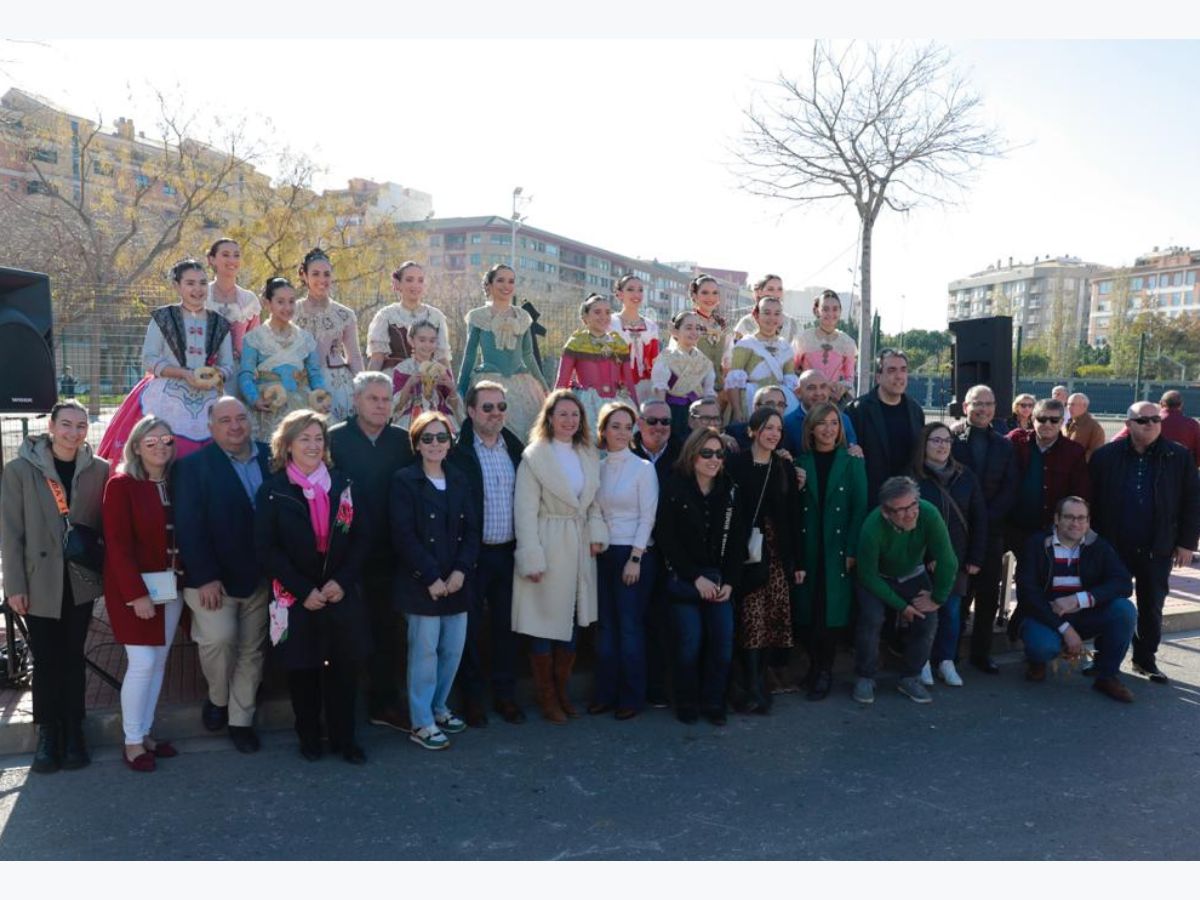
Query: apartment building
(1160, 281)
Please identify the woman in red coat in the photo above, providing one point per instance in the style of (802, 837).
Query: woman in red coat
(140, 581)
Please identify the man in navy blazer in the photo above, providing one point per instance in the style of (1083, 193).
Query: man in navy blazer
(214, 493)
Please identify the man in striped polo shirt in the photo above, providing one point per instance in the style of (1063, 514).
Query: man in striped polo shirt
(1071, 586)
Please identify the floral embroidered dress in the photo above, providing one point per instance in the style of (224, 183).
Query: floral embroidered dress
(833, 355)
(644, 346)
(428, 394)
(595, 368)
(684, 376)
(504, 347)
(714, 343)
(242, 313)
(758, 362)
(336, 329)
(390, 327)
(284, 368)
(174, 337)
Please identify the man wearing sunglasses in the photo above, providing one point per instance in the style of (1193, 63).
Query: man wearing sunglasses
(1147, 504)
(1049, 467)
(489, 455)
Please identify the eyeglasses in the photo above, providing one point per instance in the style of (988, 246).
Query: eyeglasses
(1024, 406)
(151, 442)
(710, 453)
(940, 441)
(1147, 420)
(1048, 420)
(903, 510)
(708, 420)
(441, 437)
(488, 407)
(1082, 517)
(984, 403)
(651, 420)
(772, 404)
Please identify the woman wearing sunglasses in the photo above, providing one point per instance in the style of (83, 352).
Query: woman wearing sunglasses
(1022, 412)
(436, 533)
(141, 570)
(701, 531)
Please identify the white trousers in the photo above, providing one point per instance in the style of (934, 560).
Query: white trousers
(144, 678)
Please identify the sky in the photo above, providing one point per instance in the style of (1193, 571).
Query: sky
(625, 142)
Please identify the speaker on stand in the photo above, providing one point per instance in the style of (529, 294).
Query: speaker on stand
(981, 353)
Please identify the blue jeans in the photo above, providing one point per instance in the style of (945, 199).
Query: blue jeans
(707, 625)
(1112, 626)
(621, 635)
(945, 639)
(435, 646)
(542, 646)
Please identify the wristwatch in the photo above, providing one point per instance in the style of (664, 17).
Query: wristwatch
(634, 558)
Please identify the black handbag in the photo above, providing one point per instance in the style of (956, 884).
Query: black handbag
(83, 546)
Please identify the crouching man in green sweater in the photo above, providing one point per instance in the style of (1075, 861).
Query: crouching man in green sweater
(905, 561)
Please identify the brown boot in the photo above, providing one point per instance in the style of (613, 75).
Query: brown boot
(543, 683)
(564, 662)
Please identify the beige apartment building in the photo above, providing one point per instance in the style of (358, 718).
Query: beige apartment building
(1160, 281)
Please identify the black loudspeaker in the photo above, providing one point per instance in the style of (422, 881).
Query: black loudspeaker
(27, 383)
(981, 353)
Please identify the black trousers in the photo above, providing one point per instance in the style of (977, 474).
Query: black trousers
(59, 671)
(493, 603)
(335, 687)
(986, 590)
(382, 692)
(1151, 578)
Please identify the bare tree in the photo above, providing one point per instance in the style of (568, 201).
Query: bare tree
(885, 128)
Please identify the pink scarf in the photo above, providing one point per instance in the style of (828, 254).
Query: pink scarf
(315, 488)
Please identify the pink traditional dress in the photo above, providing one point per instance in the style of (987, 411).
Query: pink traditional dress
(242, 313)
(427, 395)
(644, 346)
(174, 337)
(596, 368)
(833, 355)
(336, 329)
(390, 327)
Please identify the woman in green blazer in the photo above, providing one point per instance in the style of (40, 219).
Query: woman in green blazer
(833, 504)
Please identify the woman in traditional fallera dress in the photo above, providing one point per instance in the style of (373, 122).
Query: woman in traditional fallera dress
(682, 373)
(715, 332)
(336, 329)
(389, 337)
(188, 355)
(639, 331)
(595, 360)
(823, 347)
(500, 348)
(280, 371)
(226, 297)
(766, 286)
(762, 359)
(422, 383)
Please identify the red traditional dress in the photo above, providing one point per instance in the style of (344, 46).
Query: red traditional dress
(596, 368)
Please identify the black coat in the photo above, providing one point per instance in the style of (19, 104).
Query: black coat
(664, 467)
(781, 504)
(688, 529)
(866, 413)
(999, 476)
(214, 520)
(1176, 493)
(1101, 574)
(969, 537)
(287, 552)
(371, 467)
(464, 457)
(434, 533)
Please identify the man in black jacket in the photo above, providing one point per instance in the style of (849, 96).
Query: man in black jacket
(980, 448)
(1072, 586)
(1146, 502)
(489, 454)
(887, 422)
(371, 450)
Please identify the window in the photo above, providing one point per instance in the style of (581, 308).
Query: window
(455, 261)
(1150, 282)
(476, 258)
(552, 250)
(477, 239)
(44, 154)
(499, 238)
(102, 168)
(142, 181)
(1191, 277)
(1105, 287)
(37, 187)
(1177, 279)
(169, 190)
(456, 240)
(1136, 284)
(435, 240)
(435, 260)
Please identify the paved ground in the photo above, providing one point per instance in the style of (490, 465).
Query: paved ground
(998, 770)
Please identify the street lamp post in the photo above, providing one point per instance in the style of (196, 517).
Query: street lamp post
(517, 199)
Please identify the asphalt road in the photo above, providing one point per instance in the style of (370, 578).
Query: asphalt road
(1000, 769)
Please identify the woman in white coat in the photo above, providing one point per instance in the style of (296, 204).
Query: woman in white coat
(556, 518)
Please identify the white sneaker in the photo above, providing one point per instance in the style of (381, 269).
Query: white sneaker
(949, 674)
(926, 675)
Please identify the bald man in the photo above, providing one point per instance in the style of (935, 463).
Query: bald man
(214, 491)
(1081, 428)
(812, 389)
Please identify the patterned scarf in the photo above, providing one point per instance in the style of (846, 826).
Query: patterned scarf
(315, 488)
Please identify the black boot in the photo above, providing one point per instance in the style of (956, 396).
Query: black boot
(75, 753)
(46, 757)
(758, 700)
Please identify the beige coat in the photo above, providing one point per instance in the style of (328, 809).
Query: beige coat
(31, 530)
(554, 533)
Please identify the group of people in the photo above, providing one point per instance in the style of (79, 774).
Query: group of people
(706, 503)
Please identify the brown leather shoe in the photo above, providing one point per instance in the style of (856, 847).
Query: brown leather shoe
(1035, 671)
(1111, 686)
(475, 715)
(510, 712)
(564, 662)
(543, 682)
